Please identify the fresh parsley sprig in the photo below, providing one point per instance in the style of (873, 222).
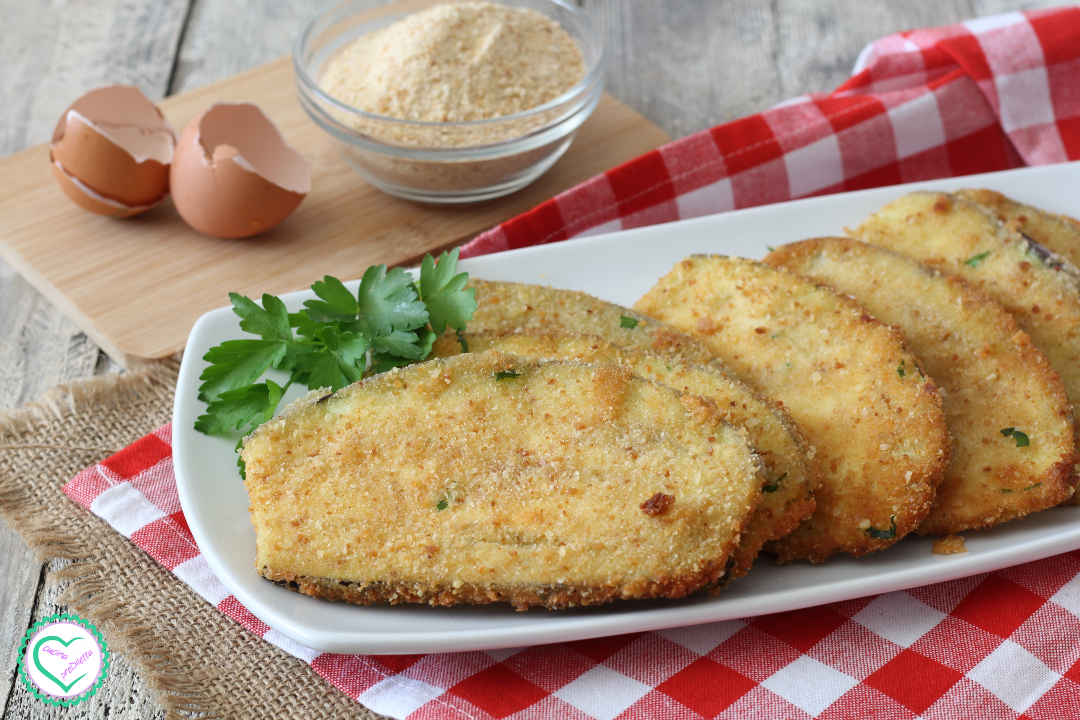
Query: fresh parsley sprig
(391, 321)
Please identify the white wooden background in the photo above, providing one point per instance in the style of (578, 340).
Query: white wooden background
(685, 64)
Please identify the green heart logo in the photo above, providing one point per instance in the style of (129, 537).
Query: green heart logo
(46, 673)
(35, 645)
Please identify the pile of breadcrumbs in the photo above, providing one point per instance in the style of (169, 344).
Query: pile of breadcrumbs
(457, 62)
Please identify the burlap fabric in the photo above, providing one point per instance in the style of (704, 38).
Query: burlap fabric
(196, 660)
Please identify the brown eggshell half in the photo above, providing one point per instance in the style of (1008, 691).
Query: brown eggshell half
(87, 199)
(116, 144)
(234, 175)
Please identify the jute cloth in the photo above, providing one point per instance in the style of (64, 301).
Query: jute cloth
(194, 658)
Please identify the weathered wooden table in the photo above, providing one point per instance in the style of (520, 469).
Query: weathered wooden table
(684, 64)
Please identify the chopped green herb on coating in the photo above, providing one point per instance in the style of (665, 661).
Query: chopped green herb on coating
(883, 534)
(774, 486)
(627, 322)
(1021, 438)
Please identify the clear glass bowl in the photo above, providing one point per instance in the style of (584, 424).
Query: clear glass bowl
(449, 162)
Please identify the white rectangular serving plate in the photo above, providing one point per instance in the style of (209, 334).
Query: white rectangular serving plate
(619, 267)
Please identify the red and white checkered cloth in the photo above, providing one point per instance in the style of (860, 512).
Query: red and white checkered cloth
(988, 94)
(985, 95)
(996, 646)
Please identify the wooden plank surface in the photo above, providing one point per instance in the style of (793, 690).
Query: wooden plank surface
(54, 52)
(115, 278)
(684, 64)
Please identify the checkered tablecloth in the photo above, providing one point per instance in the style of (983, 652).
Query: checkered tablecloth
(988, 94)
(985, 95)
(993, 646)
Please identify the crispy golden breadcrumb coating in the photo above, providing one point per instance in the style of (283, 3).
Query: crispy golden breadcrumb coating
(951, 545)
(788, 490)
(878, 440)
(1039, 288)
(1057, 233)
(989, 374)
(509, 305)
(489, 477)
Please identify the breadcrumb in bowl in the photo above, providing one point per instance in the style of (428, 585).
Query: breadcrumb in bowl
(429, 139)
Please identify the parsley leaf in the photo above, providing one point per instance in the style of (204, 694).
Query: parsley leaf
(240, 459)
(402, 343)
(388, 302)
(507, 375)
(254, 404)
(1020, 438)
(270, 322)
(425, 339)
(883, 534)
(443, 291)
(442, 504)
(975, 260)
(337, 303)
(396, 350)
(900, 370)
(236, 363)
(381, 362)
(627, 322)
(339, 363)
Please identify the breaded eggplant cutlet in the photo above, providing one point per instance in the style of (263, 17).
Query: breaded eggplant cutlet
(788, 490)
(489, 477)
(991, 379)
(509, 305)
(1040, 289)
(878, 440)
(1057, 233)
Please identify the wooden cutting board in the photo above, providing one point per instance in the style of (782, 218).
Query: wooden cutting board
(136, 286)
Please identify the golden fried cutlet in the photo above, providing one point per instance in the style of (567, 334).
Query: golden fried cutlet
(1056, 233)
(494, 478)
(508, 305)
(989, 374)
(1040, 289)
(788, 490)
(878, 440)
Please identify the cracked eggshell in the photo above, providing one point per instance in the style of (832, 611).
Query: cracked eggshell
(111, 152)
(234, 175)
